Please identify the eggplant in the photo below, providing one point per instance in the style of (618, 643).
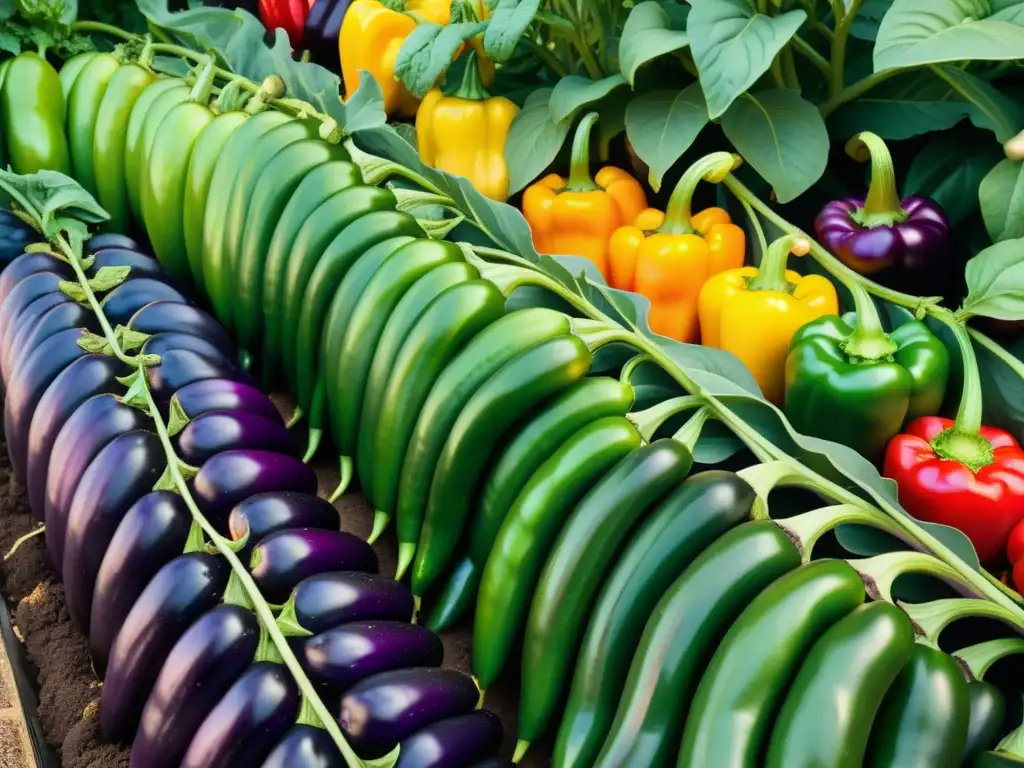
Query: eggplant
(329, 599)
(342, 656)
(23, 294)
(248, 722)
(381, 711)
(321, 32)
(305, 746)
(266, 513)
(203, 665)
(181, 367)
(182, 591)
(28, 264)
(106, 240)
(63, 316)
(219, 431)
(233, 476)
(169, 341)
(132, 295)
(15, 234)
(23, 323)
(121, 474)
(26, 385)
(88, 376)
(151, 534)
(457, 742)
(91, 427)
(141, 264)
(164, 316)
(223, 395)
(285, 558)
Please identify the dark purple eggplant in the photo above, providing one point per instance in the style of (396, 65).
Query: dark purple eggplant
(151, 534)
(305, 746)
(23, 294)
(223, 395)
(320, 35)
(203, 665)
(141, 264)
(381, 711)
(181, 367)
(169, 341)
(261, 515)
(88, 376)
(344, 655)
(181, 592)
(30, 264)
(15, 234)
(121, 474)
(61, 317)
(233, 476)
(458, 742)
(26, 385)
(132, 295)
(91, 427)
(219, 431)
(248, 722)
(495, 762)
(329, 599)
(165, 316)
(23, 323)
(285, 558)
(106, 240)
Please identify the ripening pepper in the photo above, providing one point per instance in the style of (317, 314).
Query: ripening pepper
(850, 382)
(371, 37)
(669, 257)
(464, 134)
(289, 15)
(578, 217)
(755, 312)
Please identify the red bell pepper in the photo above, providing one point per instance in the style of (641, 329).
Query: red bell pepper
(1015, 545)
(289, 15)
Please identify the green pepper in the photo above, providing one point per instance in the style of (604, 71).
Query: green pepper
(850, 382)
(32, 108)
(988, 712)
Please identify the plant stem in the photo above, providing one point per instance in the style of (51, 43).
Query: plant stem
(689, 433)
(868, 340)
(86, 27)
(712, 168)
(547, 58)
(776, 70)
(649, 421)
(805, 49)
(580, 179)
(933, 618)
(771, 275)
(851, 92)
(979, 658)
(839, 40)
(789, 72)
(882, 571)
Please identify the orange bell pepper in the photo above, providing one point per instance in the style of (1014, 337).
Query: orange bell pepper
(668, 258)
(578, 217)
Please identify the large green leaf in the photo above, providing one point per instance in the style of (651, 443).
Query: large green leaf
(989, 108)
(733, 46)
(783, 137)
(533, 141)
(1002, 389)
(868, 19)
(995, 282)
(896, 120)
(509, 21)
(662, 125)
(573, 93)
(1002, 201)
(647, 35)
(428, 51)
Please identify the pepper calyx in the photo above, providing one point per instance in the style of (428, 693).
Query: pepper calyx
(771, 275)
(971, 450)
(882, 206)
(712, 168)
(471, 88)
(580, 179)
(869, 341)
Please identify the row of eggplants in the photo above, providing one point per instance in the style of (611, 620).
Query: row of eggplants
(177, 659)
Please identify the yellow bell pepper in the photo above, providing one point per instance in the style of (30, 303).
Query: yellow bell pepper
(371, 37)
(668, 258)
(464, 134)
(754, 313)
(578, 217)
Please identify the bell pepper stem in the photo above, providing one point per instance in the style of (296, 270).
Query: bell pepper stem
(713, 168)
(471, 88)
(869, 340)
(580, 179)
(883, 206)
(979, 658)
(881, 572)
(771, 275)
(931, 619)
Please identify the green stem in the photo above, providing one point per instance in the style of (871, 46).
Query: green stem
(649, 421)
(771, 275)
(882, 571)
(690, 432)
(204, 83)
(580, 179)
(882, 206)
(376, 169)
(855, 91)
(776, 72)
(755, 222)
(471, 87)
(806, 529)
(805, 49)
(844, 20)
(712, 168)
(933, 618)
(548, 59)
(626, 374)
(789, 69)
(86, 27)
(869, 340)
(979, 658)
(769, 475)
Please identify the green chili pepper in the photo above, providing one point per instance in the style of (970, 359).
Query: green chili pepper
(32, 111)
(83, 110)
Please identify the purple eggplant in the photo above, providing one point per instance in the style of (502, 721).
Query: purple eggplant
(164, 316)
(223, 395)
(23, 294)
(61, 317)
(181, 592)
(248, 722)
(344, 655)
(285, 558)
(88, 376)
(203, 665)
(305, 746)
(106, 240)
(169, 341)
(28, 264)
(329, 599)
(151, 534)
(219, 431)
(23, 323)
(233, 476)
(458, 742)
(381, 711)
(121, 474)
(26, 385)
(132, 295)
(15, 234)
(261, 515)
(141, 264)
(320, 35)
(181, 367)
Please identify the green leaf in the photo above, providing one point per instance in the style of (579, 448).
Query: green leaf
(1002, 389)
(1002, 201)
(733, 46)
(782, 136)
(662, 125)
(508, 23)
(647, 35)
(868, 19)
(428, 51)
(109, 277)
(533, 140)
(895, 120)
(573, 93)
(918, 32)
(989, 108)
(56, 198)
(10, 42)
(995, 282)
(8, 9)
(364, 108)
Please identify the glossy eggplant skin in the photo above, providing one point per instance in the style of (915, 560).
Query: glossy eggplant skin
(181, 367)
(342, 656)
(305, 747)
(329, 599)
(248, 722)
(88, 376)
(141, 264)
(225, 395)
(15, 234)
(457, 742)
(200, 669)
(285, 558)
(233, 476)
(22, 295)
(381, 711)
(182, 591)
(266, 513)
(92, 426)
(105, 240)
(151, 534)
(23, 323)
(219, 431)
(132, 295)
(169, 341)
(121, 474)
(62, 316)
(165, 316)
(26, 265)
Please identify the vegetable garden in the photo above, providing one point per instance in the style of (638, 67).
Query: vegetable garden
(665, 357)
